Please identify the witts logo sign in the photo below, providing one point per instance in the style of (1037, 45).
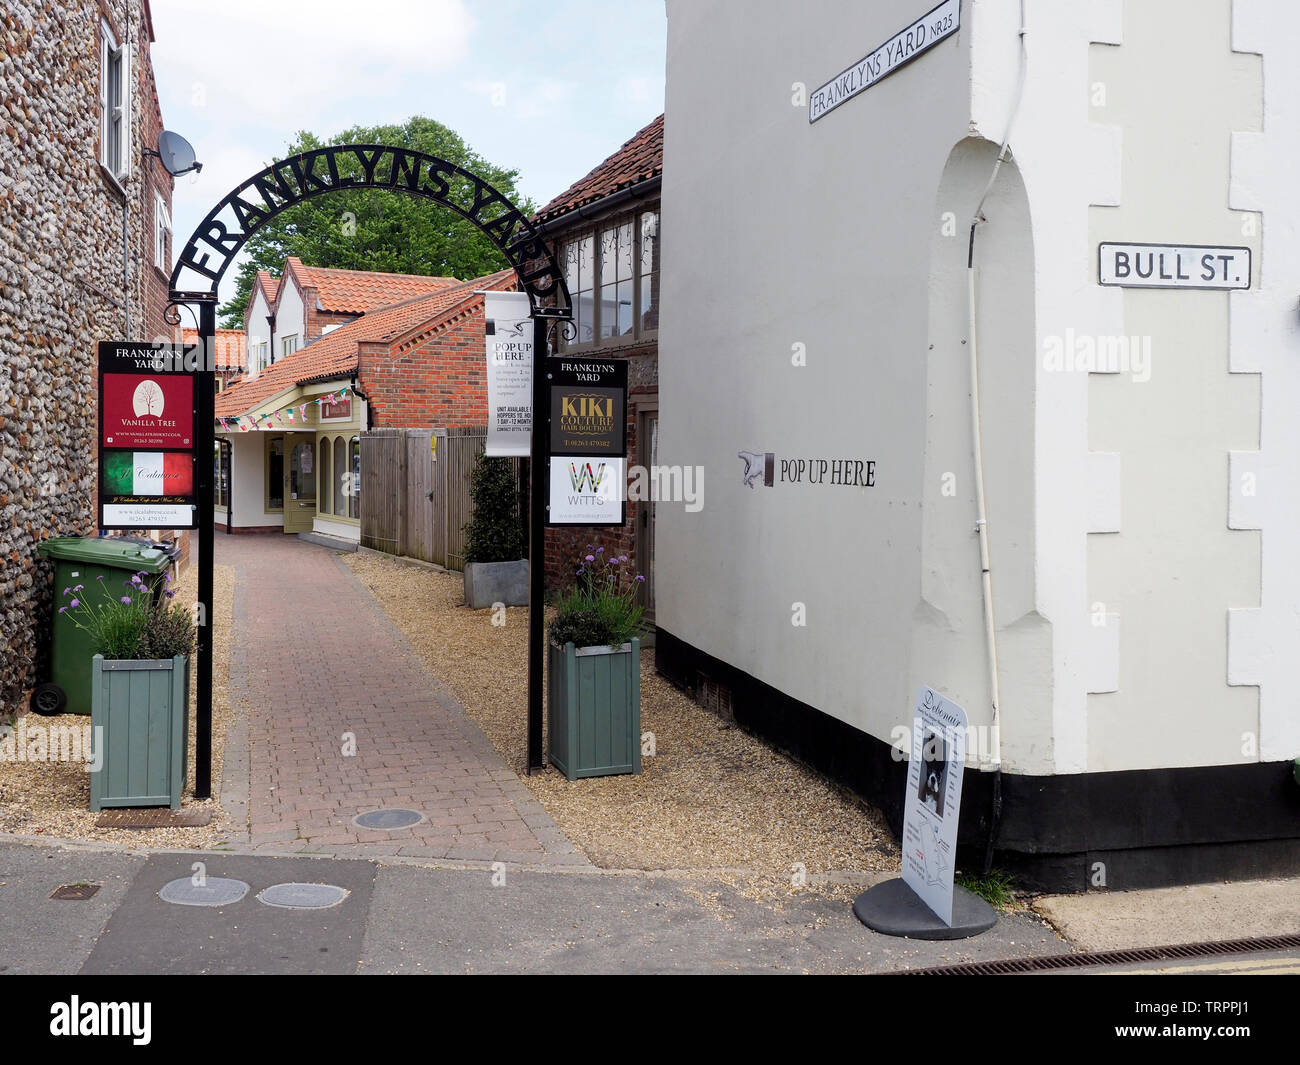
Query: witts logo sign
(586, 491)
(583, 478)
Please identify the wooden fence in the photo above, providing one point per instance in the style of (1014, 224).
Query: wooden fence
(415, 491)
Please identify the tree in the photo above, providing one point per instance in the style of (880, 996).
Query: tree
(493, 533)
(370, 229)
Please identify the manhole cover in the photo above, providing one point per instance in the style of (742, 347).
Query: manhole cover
(303, 896)
(388, 819)
(212, 891)
(74, 892)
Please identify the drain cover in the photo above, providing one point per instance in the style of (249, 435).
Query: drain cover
(303, 896)
(388, 819)
(74, 892)
(215, 891)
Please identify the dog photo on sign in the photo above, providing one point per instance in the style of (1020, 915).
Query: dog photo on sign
(934, 772)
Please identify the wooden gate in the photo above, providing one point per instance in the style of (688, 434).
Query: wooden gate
(415, 491)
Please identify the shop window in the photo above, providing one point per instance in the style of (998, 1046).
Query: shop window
(326, 485)
(613, 277)
(354, 497)
(275, 474)
(221, 473)
(343, 481)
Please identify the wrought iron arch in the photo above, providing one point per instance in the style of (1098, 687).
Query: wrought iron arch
(228, 226)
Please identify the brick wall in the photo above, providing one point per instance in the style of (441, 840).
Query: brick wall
(438, 381)
(61, 291)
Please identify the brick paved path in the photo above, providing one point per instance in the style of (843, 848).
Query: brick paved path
(315, 659)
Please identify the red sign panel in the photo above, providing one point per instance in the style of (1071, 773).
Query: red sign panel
(148, 410)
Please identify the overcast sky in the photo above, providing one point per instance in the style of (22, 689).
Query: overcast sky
(549, 87)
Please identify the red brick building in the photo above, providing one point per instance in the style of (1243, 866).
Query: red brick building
(604, 231)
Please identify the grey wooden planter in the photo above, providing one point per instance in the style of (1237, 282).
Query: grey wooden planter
(140, 711)
(595, 709)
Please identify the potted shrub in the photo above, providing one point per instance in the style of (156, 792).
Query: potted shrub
(140, 690)
(594, 658)
(495, 570)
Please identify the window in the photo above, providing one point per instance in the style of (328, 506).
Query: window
(344, 481)
(354, 497)
(259, 352)
(114, 104)
(288, 345)
(326, 489)
(221, 474)
(613, 278)
(275, 473)
(162, 228)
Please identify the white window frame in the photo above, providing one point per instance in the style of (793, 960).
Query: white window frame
(114, 123)
(162, 230)
(285, 350)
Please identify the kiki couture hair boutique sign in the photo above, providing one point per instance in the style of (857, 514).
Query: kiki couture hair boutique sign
(146, 437)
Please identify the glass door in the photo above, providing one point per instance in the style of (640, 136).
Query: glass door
(300, 487)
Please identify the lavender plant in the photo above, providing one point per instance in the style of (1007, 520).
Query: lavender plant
(601, 608)
(131, 625)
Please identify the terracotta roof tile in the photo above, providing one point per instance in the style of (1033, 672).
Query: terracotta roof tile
(269, 286)
(230, 346)
(639, 159)
(336, 353)
(360, 291)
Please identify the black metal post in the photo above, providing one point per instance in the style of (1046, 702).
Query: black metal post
(204, 438)
(538, 468)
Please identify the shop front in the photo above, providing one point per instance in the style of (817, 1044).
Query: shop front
(292, 464)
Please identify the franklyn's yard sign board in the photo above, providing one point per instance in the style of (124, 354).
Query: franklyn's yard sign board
(908, 43)
(509, 328)
(1206, 266)
(933, 802)
(146, 437)
(588, 433)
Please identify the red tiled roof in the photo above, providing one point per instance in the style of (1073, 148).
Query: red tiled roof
(230, 346)
(269, 286)
(360, 291)
(336, 353)
(639, 159)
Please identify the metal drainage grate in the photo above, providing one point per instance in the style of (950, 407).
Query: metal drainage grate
(1048, 963)
(387, 820)
(74, 892)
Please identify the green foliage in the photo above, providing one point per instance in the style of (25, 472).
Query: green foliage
(994, 887)
(129, 625)
(493, 533)
(601, 609)
(369, 229)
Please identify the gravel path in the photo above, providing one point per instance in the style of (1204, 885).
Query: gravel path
(712, 797)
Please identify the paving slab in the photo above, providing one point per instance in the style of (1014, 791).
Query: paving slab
(43, 935)
(457, 921)
(148, 935)
(1115, 920)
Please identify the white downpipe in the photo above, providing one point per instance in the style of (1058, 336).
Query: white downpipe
(982, 525)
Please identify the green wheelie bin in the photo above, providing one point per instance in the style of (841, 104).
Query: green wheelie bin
(82, 560)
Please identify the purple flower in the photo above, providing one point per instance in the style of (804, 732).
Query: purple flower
(581, 572)
(640, 578)
(62, 609)
(100, 577)
(67, 591)
(591, 558)
(600, 550)
(75, 603)
(78, 587)
(126, 599)
(169, 593)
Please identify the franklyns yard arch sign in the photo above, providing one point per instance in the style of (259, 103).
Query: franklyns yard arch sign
(213, 247)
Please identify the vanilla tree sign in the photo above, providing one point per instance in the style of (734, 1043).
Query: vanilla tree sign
(904, 46)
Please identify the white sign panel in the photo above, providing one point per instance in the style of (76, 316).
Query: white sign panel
(509, 373)
(922, 35)
(148, 515)
(587, 491)
(933, 804)
(1173, 266)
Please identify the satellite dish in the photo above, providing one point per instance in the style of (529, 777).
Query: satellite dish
(176, 154)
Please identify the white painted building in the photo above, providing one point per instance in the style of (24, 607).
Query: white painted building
(1137, 441)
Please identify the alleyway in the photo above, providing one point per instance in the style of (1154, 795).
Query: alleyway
(343, 720)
